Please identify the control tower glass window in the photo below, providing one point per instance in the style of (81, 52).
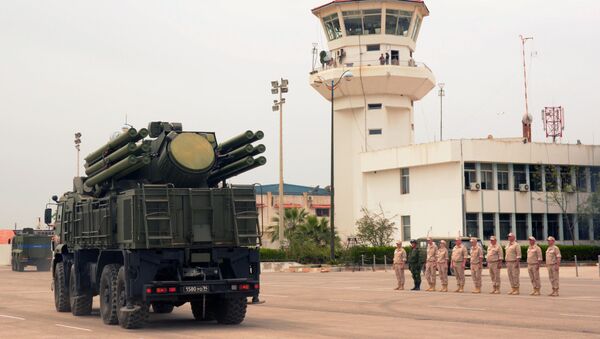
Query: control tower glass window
(397, 22)
(366, 22)
(332, 26)
(353, 22)
(415, 32)
(372, 21)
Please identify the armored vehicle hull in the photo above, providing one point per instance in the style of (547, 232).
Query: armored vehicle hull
(30, 249)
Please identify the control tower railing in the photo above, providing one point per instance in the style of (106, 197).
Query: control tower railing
(332, 64)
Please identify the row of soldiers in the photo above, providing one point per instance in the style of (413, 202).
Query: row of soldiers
(437, 260)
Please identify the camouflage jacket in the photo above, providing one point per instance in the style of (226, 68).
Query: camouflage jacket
(415, 258)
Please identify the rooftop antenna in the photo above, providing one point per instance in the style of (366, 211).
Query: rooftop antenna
(554, 122)
(527, 118)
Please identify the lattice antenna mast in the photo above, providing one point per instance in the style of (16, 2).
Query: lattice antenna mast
(554, 122)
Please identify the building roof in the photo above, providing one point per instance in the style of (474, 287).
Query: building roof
(289, 189)
(345, 1)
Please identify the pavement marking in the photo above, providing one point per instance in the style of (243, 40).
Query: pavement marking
(580, 315)
(11, 317)
(458, 308)
(350, 301)
(74, 328)
(274, 295)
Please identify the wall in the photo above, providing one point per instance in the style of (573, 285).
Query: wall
(5, 254)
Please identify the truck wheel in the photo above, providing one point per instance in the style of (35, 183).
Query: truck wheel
(108, 294)
(61, 291)
(160, 307)
(80, 304)
(231, 310)
(129, 318)
(12, 264)
(208, 313)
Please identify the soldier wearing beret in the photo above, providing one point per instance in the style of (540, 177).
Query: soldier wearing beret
(415, 264)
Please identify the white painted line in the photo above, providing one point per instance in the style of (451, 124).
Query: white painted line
(74, 328)
(458, 308)
(11, 317)
(350, 300)
(580, 315)
(274, 295)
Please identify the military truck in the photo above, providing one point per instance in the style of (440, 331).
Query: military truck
(30, 248)
(155, 224)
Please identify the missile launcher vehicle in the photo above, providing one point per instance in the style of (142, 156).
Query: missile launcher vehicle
(155, 224)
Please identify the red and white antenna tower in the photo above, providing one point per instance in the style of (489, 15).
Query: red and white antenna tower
(527, 118)
(554, 122)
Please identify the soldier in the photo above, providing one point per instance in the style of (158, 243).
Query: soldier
(442, 265)
(415, 264)
(534, 260)
(399, 263)
(513, 257)
(476, 265)
(494, 260)
(459, 260)
(431, 264)
(553, 263)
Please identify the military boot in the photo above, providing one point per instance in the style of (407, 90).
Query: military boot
(532, 292)
(433, 288)
(512, 291)
(477, 290)
(556, 293)
(536, 292)
(497, 290)
(516, 291)
(461, 289)
(444, 288)
(457, 289)
(553, 292)
(401, 288)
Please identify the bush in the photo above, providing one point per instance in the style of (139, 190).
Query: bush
(270, 254)
(356, 252)
(568, 252)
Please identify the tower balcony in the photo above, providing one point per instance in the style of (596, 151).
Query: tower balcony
(407, 78)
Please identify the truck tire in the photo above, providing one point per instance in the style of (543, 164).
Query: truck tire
(161, 307)
(231, 310)
(129, 319)
(209, 314)
(108, 294)
(12, 264)
(61, 290)
(80, 304)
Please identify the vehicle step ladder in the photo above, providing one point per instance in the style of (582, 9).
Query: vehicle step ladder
(242, 214)
(158, 197)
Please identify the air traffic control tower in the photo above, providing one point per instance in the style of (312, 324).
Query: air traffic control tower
(377, 80)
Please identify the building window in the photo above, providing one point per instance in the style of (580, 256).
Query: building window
(405, 219)
(505, 225)
(581, 179)
(584, 227)
(374, 106)
(362, 22)
(487, 177)
(472, 224)
(489, 225)
(332, 26)
(397, 22)
(502, 171)
(568, 226)
(537, 226)
(521, 225)
(405, 181)
(372, 48)
(415, 33)
(322, 212)
(470, 174)
(519, 176)
(553, 225)
(595, 178)
(375, 131)
(596, 222)
(535, 177)
(551, 177)
(565, 179)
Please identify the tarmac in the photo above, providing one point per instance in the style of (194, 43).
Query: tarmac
(344, 304)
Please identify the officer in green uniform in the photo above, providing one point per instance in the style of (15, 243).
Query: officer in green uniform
(415, 264)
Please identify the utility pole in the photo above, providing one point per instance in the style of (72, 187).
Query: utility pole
(280, 88)
(441, 93)
(77, 144)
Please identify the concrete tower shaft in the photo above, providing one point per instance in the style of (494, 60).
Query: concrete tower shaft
(375, 41)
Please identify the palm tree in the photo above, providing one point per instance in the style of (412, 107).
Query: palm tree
(316, 230)
(291, 219)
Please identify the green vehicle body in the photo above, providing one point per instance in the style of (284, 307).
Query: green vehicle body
(31, 248)
(156, 220)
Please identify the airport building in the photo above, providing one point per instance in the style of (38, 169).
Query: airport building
(474, 187)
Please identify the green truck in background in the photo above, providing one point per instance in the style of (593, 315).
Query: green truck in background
(31, 248)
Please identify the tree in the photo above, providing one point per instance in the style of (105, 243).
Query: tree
(291, 219)
(374, 228)
(316, 230)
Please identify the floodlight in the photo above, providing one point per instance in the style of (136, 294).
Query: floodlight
(274, 91)
(284, 89)
(274, 84)
(275, 108)
(284, 82)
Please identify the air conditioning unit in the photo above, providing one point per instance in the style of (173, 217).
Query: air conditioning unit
(474, 186)
(523, 188)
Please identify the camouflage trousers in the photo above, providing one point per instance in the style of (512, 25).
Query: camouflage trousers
(459, 271)
(399, 269)
(443, 269)
(513, 273)
(553, 275)
(495, 273)
(534, 275)
(476, 274)
(416, 274)
(430, 268)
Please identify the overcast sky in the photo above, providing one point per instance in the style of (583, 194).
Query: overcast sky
(68, 66)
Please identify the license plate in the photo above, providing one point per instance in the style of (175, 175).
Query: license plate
(195, 289)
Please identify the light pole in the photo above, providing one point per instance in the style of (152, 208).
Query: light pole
(77, 142)
(280, 88)
(441, 93)
(334, 83)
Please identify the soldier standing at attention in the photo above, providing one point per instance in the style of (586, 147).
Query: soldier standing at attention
(415, 264)
(399, 263)
(476, 264)
(442, 265)
(513, 257)
(494, 260)
(534, 260)
(459, 260)
(553, 263)
(431, 264)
